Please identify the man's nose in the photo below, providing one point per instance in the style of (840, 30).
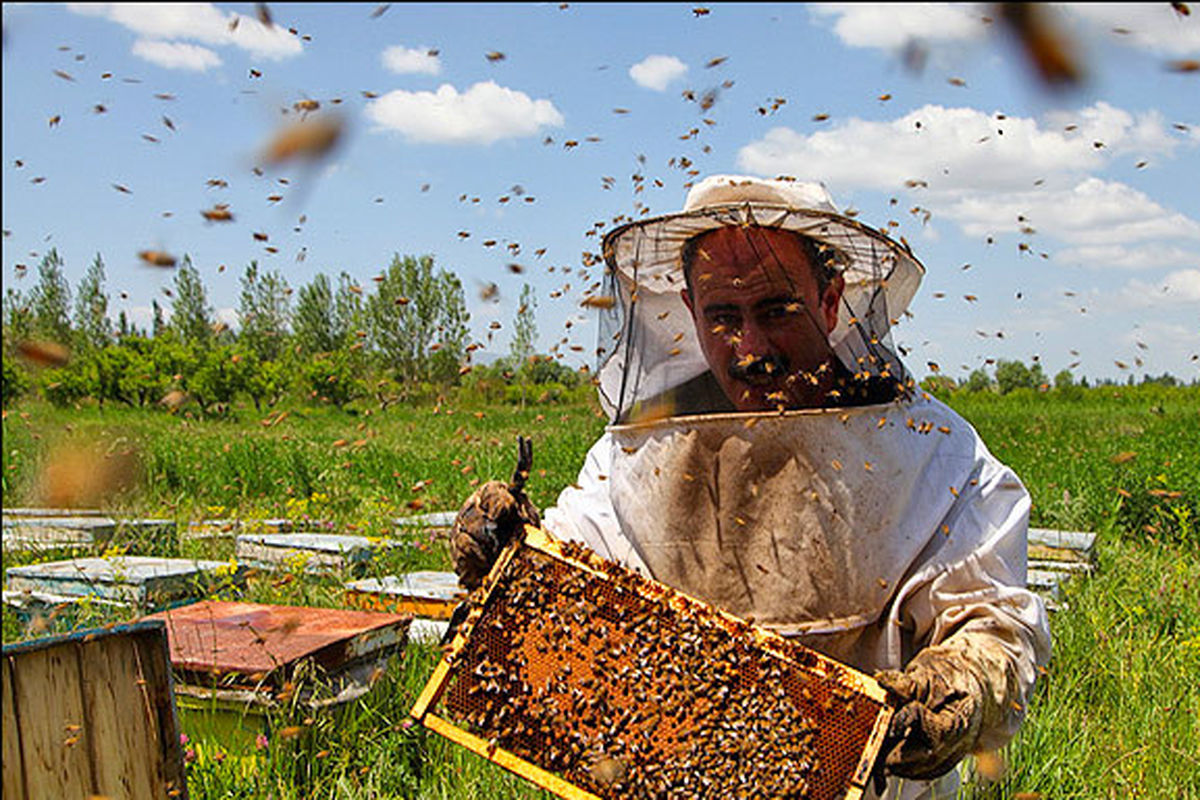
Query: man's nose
(754, 340)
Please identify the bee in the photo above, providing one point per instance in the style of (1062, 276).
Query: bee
(218, 213)
(307, 140)
(157, 258)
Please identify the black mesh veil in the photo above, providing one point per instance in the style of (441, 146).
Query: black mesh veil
(651, 359)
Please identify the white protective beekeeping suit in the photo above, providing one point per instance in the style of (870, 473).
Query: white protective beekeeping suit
(868, 531)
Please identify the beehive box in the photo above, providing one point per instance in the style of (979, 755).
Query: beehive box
(91, 714)
(433, 595)
(243, 657)
(145, 581)
(592, 681)
(312, 552)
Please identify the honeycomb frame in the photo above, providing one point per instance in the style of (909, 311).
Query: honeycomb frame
(754, 713)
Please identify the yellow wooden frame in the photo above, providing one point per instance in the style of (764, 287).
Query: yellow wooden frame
(541, 541)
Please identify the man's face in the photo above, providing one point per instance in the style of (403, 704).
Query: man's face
(762, 320)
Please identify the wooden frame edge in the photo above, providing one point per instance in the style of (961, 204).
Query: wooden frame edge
(515, 764)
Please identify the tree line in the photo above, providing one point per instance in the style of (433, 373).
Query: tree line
(1011, 375)
(405, 336)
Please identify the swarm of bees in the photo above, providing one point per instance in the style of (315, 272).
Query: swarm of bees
(588, 670)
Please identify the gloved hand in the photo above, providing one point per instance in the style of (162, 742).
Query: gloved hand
(942, 696)
(489, 519)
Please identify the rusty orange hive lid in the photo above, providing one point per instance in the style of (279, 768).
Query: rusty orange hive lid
(254, 638)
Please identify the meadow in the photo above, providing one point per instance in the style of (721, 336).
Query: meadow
(1117, 715)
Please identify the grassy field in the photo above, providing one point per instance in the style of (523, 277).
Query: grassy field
(1118, 715)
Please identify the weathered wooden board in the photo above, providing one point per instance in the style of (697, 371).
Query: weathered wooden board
(146, 581)
(13, 781)
(422, 594)
(91, 713)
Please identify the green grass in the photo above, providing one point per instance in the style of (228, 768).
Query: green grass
(1117, 715)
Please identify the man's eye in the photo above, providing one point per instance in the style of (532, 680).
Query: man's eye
(782, 310)
(723, 323)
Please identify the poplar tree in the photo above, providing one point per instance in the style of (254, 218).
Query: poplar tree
(93, 328)
(191, 315)
(50, 301)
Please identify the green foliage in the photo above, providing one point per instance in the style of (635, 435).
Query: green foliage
(222, 373)
(524, 338)
(264, 313)
(17, 319)
(977, 381)
(16, 383)
(50, 301)
(65, 386)
(191, 315)
(939, 385)
(417, 321)
(333, 378)
(315, 321)
(547, 369)
(93, 328)
(1012, 375)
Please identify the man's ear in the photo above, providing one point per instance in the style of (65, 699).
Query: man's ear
(830, 301)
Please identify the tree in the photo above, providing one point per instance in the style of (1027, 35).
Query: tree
(263, 312)
(453, 331)
(18, 319)
(414, 314)
(939, 385)
(191, 316)
(15, 382)
(1037, 377)
(93, 328)
(1064, 379)
(524, 340)
(50, 301)
(220, 376)
(314, 321)
(157, 325)
(978, 381)
(348, 313)
(1012, 375)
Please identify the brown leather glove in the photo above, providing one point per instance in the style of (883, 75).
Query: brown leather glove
(938, 722)
(489, 519)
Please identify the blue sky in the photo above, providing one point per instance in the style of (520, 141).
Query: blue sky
(1120, 280)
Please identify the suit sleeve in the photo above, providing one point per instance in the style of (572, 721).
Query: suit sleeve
(975, 600)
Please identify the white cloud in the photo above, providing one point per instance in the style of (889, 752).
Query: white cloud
(958, 148)
(1181, 287)
(202, 22)
(1152, 27)
(656, 72)
(403, 60)
(176, 55)
(985, 172)
(483, 114)
(1093, 212)
(1144, 256)
(893, 25)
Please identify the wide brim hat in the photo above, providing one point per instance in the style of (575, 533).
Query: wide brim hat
(646, 254)
(646, 275)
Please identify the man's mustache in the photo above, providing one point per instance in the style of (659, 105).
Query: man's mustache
(756, 369)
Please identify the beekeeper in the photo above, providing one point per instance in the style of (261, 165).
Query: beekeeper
(770, 454)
